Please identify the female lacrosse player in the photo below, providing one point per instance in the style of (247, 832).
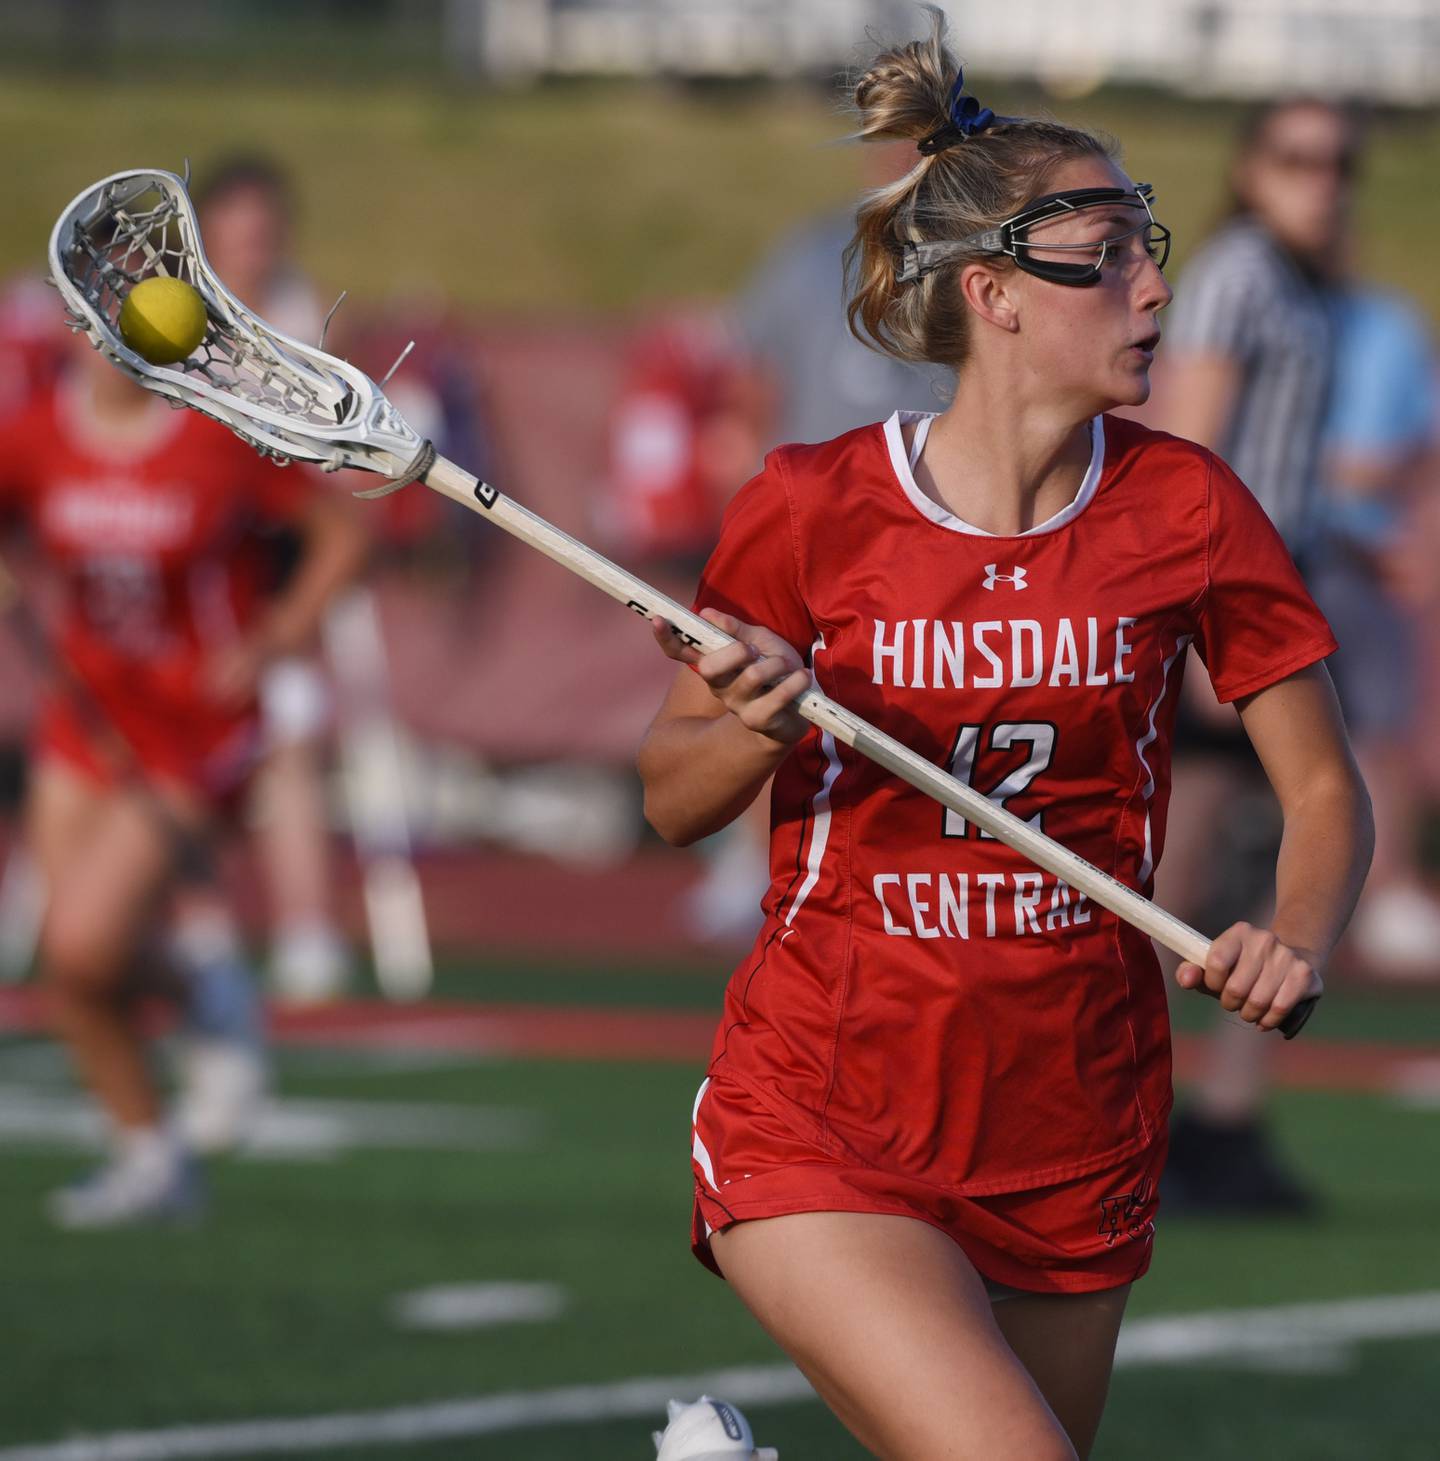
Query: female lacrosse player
(927, 1148)
(148, 517)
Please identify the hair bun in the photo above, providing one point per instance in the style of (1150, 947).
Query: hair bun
(916, 91)
(906, 92)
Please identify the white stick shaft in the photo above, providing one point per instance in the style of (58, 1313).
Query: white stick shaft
(445, 477)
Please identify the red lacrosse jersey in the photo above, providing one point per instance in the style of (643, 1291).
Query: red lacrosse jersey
(920, 997)
(155, 547)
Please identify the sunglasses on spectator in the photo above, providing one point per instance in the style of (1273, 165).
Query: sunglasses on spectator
(1344, 163)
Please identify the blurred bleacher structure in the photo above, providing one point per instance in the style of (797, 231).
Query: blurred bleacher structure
(1383, 50)
(1387, 49)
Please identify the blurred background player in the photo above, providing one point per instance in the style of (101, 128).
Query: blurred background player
(148, 518)
(1379, 476)
(33, 341)
(1248, 369)
(34, 346)
(246, 216)
(246, 219)
(684, 434)
(681, 437)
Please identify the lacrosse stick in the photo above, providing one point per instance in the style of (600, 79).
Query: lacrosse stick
(293, 402)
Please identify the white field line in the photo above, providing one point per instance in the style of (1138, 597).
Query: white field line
(1225, 1337)
(447, 1420)
(1241, 1334)
(45, 1063)
(478, 1305)
(347, 1060)
(290, 1128)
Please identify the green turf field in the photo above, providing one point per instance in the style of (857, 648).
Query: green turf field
(591, 196)
(279, 1305)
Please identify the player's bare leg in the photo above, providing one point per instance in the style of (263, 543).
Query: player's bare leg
(106, 860)
(891, 1323)
(290, 827)
(1067, 1343)
(308, 959)
(221, 1067)
(60, 808)
(103, 863)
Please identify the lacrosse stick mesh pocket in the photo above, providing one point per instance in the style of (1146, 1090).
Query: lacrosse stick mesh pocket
(150, 234)
(287, 399)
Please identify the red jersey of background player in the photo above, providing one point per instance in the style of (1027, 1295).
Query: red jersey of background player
(921, 998)
(153, 542)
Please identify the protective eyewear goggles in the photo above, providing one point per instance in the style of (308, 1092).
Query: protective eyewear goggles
(1011, 239)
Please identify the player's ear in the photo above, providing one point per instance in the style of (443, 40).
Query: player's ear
(988, 293)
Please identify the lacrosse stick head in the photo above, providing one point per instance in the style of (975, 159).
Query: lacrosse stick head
(289, 400)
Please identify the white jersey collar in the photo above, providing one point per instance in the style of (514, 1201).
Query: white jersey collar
(903, 466)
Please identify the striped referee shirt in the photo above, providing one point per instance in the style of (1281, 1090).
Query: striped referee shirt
(1242, 297)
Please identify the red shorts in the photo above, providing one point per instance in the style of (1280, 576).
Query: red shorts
(208, 753)
(1089, 1233)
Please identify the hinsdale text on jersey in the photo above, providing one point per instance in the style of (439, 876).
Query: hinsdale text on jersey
(993, 654)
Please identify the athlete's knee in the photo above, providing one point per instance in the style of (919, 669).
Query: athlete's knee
(80, 959)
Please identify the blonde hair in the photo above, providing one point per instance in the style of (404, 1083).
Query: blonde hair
(966, 188)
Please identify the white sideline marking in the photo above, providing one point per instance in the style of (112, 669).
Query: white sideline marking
(1223, 1337)
(346, 1060)
(1303, 1330)
(447, 1420)
(290, 1128)
(43, 1063)
(479, 1305)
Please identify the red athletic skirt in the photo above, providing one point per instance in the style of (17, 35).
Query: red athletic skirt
(207, 752)
(1089, 1233)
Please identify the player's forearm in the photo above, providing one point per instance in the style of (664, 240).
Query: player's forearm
(1324, 856)
(699, 774)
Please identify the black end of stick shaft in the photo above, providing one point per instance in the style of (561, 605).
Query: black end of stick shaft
(1294, 1022)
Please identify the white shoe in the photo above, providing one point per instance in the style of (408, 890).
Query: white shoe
(150, 1178)
(708, 1430)
(1397, 933)
(309, 965)
(221, 1094)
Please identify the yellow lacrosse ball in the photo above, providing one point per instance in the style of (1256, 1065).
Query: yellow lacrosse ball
(162, 320)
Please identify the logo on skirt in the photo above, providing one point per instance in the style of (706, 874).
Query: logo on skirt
(1125, 1213)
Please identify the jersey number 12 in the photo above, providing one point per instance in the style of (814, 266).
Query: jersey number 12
(1039, 735)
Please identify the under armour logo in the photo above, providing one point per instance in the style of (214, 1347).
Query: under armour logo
(992, 577)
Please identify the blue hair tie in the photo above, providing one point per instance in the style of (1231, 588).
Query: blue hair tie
(964, 118)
